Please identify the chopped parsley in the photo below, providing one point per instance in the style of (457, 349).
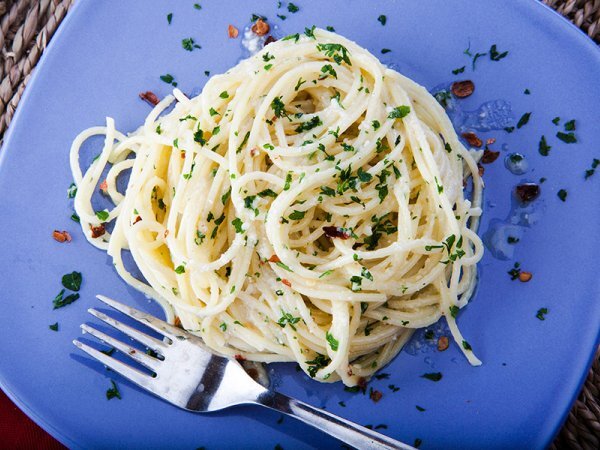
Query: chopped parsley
(570, 125)
(333, 342)
(330, 28)
(72, 281)
(327, 70)
(382, 19)
(309, 125)
(383, 52)
(543, 147)
(237, 224)
(169, 18)
(338, 52)
(562, 194)
(54, 326)
(556, 120)
(278, 107)
(200, 236)
(523, 120)
(310, 32)
(61, 301)
(292, 8)
(541, 313)
(169, 79)
(113, 392)
(433, 376)
(180, 269)
(589, 172)
(318, 362)
(102, 215)
(567, 138)
(224, 94)
(297, 215)
(288, 319)
(189, 44)
(459, 70)
(399, 112)
(72, 190)
(495, 55)
(515, 271)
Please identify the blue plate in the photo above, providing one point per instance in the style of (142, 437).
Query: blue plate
(107, 52)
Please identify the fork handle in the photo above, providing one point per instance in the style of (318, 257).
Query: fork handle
(352, 434)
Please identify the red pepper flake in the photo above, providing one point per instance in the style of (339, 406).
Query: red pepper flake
(166, 233)
(232, 31)
(274, 259)
(150, 97)
(239, 358)
(269, 40)
(462, 89)
(524, 277)
(527, 192)
(442, 343)
(336, 232)
(472, 139)
(182, 154)
(177, 322)
(375, 395)
(137, 219)
(489, 156)
(481, 169)
(61, 236)
(98, 231)
(362, 383)
(253, 151)
(288, 283)
(490, 141)
(104, 187)
(260, 27)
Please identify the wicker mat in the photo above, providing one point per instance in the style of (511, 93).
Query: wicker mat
(26, 26)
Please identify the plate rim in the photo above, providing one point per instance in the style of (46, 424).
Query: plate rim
(78, 8)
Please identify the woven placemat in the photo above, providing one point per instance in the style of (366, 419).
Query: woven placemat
(26, 27)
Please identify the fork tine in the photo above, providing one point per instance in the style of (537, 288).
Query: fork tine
(127, 371)
(148, 341)
(132, 352)
(156, 324)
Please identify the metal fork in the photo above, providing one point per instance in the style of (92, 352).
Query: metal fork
(189, 376)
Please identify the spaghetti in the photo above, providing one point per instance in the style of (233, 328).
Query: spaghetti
(308, 205)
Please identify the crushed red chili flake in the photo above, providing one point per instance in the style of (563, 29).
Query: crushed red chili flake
(274, 259)
(472, 139)
(150, 97)
(103, 187)
(253, 151)
(375, 395)
(462, 89)
(491, 141)
(442, 343)
(98, 231)
(232, 31)
(182, 154)
(481, 169)
(336, 232)
(362, 383)
(269, 40)
(288, 283)
(166, 233)
(527, 192)
(524, 277)
(489, 156)
(239, 358)
(177, 322)
(260, 27)
(137, 219)
(61, 236)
